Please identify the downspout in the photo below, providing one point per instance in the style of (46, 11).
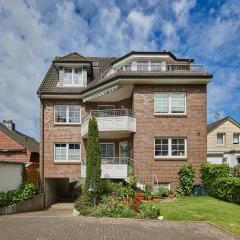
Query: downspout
(42, 149)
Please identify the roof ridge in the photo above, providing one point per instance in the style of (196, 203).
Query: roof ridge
(69, 54)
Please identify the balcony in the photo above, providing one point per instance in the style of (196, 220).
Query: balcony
(115, 123)
(112, 168)
(154, 69)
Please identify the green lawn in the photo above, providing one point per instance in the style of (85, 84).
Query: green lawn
(224, 214)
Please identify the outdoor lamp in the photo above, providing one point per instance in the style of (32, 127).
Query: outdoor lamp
(92, 190)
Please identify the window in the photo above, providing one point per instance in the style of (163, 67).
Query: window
(95, 64)
(107, 150)
(170, 103)
(105, 110)
(220, 138)
(67, 114)
(66, 152)
(170, 147)
(142, 65)
(156, 66)
(238, 160)
(236, 137)
(224, 160)
(73, 77)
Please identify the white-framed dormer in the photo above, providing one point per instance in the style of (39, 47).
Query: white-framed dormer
(72, 76)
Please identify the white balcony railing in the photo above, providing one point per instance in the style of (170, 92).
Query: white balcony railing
(113, 120)
(154, 68)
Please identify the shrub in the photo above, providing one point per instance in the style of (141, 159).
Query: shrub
(235, 171)
(93, 170)
(138, 197)
(83, 204)
(226, 188)
(26, 191)
(209, 173)
(149, 210)
(112, 207)
(186, 180)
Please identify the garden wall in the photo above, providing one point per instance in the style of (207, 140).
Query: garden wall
(33, 204)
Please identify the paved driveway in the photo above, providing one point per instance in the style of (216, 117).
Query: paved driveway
(58, 223)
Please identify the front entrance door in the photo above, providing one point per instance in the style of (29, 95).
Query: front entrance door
(123, 151)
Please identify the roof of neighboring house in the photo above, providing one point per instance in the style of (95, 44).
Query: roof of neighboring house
(216, 124)
(27, 142)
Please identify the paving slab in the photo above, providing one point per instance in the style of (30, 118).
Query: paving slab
(58, 223)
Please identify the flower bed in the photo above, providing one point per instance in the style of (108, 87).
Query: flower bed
(120, 199)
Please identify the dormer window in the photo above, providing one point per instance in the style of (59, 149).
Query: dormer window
(95, 63)
(73, 77)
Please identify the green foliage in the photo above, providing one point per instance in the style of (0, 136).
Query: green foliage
(26, 191)
(84, 203)
(162, 192)
(226, 188)
(93, 171)
(149, 210)
(112, 207)
(209, 173)
(235, 171)
(219, 183)
(186, 180)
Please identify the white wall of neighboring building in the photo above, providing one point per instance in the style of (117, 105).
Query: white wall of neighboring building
(231, 158)
(10, 176)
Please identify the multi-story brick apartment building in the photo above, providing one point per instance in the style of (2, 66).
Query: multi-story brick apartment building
(151, 109)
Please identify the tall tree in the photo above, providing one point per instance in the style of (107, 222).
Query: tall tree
(93, 171)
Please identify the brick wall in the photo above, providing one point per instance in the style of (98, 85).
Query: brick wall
(8, 143)
(192, 126)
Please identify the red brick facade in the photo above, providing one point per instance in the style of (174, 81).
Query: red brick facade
(192, 126)
(23, 155)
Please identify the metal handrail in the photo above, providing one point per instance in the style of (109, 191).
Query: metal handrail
(109, 113)
(149, 177)
(153, 68)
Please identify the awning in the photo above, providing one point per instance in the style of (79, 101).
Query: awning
(99, 94)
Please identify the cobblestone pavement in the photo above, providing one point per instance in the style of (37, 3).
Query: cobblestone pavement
(58, 223)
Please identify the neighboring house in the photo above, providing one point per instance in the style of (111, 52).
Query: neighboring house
(11, 175)
(151, 109)
(224, 142)
(16, 146)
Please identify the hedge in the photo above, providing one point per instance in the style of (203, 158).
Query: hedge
(219, 183)
(226, 188)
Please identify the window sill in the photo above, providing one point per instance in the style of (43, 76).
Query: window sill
(68, 124)
(170, 115)
(170, 158)
(68, 162)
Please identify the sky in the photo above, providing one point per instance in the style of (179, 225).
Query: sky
(32, 33)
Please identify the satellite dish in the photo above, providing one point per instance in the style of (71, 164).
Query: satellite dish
(217, 116)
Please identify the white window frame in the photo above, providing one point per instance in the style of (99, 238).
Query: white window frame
(73, 72)
(238, 138)
(67, 116)
(170, 105)
(170, 148)
(224, 135)
(109, 144)
(66, 161)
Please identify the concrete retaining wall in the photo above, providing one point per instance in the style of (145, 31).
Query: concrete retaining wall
(33, 204)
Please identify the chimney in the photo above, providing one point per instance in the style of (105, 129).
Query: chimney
(9, 124)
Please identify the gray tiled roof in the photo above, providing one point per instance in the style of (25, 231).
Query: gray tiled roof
(27, 142)
(49, 83)
(71, 57)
